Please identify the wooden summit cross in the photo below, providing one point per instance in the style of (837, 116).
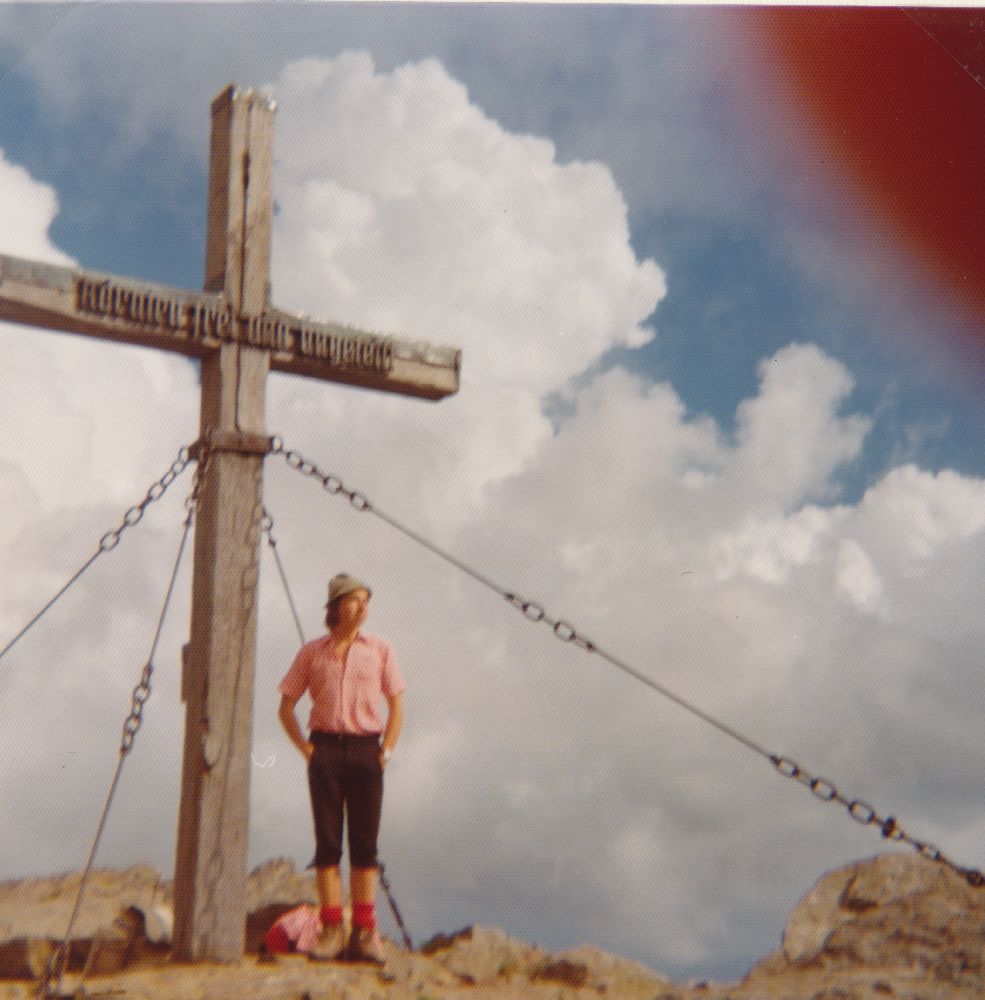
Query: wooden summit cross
(239, 337)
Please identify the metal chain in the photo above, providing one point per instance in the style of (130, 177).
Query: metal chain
(563, 630)
(59, 959)
(142, 691)
(111, 539)
(331, 484)
(866, 815)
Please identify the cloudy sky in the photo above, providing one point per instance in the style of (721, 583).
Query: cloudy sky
(720, 408)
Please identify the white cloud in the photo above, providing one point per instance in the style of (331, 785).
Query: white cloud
(535, 787)
(925, 512)
(768, 550)
(27, 208)
(801, 393)
(395, 184)
(405, 209)
(857, 576)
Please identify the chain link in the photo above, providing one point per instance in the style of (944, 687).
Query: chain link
(111, 539)
(867, 815)
(58, 960)
(142, 691)
(132, 723)
(562, 630)
(330, 484)
(821, 788)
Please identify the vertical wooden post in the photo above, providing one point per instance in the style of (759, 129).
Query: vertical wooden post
(213, 822)
(218, 671)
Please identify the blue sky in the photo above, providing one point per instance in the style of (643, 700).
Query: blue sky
(585, 77)
(758, 397)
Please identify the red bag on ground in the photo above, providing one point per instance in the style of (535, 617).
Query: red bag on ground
(296, 930)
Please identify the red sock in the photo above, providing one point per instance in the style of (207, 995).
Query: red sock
(364, 915)
(330, 915)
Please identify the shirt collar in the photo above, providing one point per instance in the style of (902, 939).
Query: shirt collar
(330, 639)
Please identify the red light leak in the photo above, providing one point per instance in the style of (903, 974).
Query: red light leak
(891, 99)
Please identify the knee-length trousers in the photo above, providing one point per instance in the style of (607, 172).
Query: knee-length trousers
(345, 779)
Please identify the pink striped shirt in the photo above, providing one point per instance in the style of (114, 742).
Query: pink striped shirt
(345, 695)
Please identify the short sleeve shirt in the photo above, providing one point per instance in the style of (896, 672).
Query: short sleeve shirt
(345, 695)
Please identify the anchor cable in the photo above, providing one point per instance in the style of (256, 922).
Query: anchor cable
(821, 788)
(110, 540)
(267, 527)
(59, 959)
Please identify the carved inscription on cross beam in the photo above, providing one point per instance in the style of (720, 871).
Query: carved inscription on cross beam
(238, 337)
(197, 323)
(211, 320)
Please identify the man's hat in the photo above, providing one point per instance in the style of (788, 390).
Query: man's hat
(344, 584)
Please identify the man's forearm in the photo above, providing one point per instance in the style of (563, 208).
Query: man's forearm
(290, 723)
(394, 723)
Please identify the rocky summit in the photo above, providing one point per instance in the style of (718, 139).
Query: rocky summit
(897, 926)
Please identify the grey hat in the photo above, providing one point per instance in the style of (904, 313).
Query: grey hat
(344, 584)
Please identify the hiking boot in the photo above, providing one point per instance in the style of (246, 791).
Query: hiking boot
(365, 946)
(330, 944)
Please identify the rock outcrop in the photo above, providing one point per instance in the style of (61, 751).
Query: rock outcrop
(898, 926)
(479, 956)
(110, 931)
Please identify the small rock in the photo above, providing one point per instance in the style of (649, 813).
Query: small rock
(562, 971)
(479, 955)
(159, 924)
(25, 958)
(276, 882)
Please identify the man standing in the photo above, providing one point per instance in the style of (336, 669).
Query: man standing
(346, 673)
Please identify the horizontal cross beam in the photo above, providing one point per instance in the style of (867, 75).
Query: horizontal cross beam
(196, 324)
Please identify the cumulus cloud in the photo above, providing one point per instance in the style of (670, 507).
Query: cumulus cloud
(404, 208)
(857, 575)
(28, 208)
(535, 787)
(88, 427)
(801, 390)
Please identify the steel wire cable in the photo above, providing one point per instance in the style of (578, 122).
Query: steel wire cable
(408, 943)
(59, 959)
(267, 527)
(820, 787)
(76, 576)
(562, 630)
(110, 540)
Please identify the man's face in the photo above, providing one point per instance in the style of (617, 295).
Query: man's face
(353, 609)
